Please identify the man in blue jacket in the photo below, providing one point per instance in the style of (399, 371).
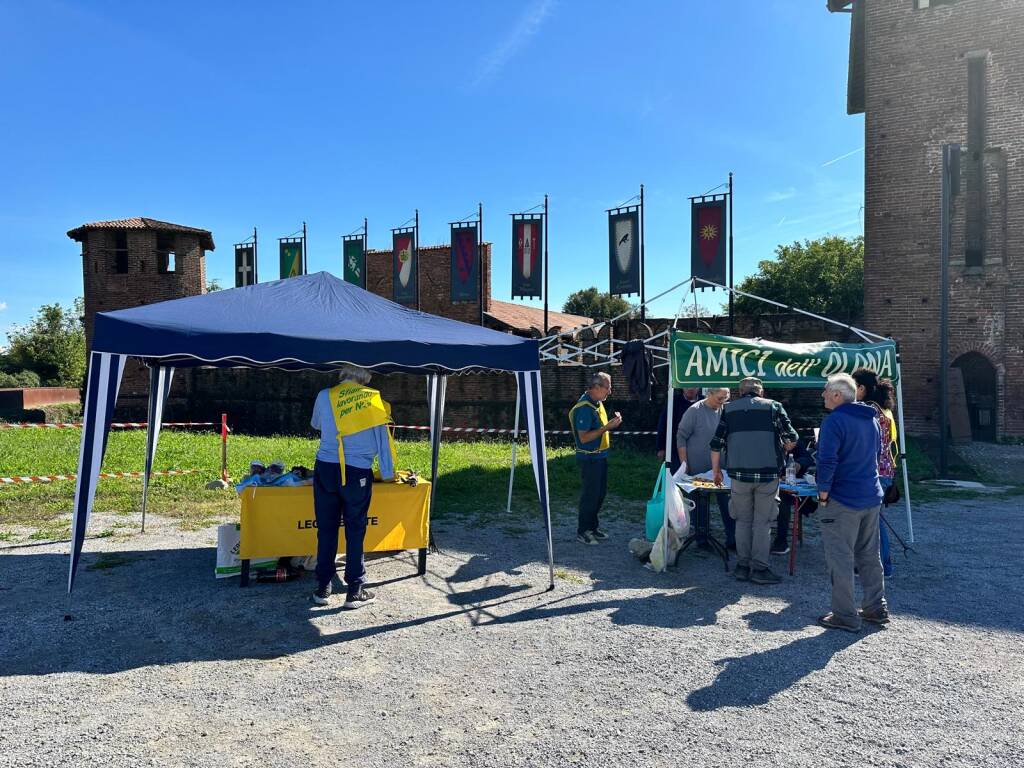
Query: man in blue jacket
(849, 498)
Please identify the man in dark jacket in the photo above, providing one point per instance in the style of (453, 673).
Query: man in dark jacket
(755, 433)
(849, 497)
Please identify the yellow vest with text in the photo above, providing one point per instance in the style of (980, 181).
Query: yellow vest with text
(356, 408)
(602, 417)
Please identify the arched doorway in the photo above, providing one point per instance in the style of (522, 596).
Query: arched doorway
(980, 387)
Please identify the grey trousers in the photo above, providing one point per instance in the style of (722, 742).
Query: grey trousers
(850, 537)
(753, 507)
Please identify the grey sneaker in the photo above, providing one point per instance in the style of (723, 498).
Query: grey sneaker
(742, 573)
(598, 534)
(358, 599)
(322, 595)
(587, 537)
(878, 616)
(764, 576)
(829, 621)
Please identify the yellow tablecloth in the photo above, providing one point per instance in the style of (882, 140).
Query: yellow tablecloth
(279, 522)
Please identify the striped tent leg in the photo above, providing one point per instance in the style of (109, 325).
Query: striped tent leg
(529, 385)
(102, 383)
(160, 378)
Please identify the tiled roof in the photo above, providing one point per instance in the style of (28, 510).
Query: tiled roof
(522, 318)
(141, 222)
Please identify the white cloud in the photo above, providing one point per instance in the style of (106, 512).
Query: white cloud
(3, 306)
(527, 26)
(781, 194)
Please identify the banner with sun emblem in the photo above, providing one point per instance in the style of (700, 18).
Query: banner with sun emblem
(465, 263)
(528, 257)
(624, 252)
(353, 256)
(707, 240)
(403, 246)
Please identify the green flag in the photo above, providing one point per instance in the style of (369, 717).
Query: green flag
(291, 259)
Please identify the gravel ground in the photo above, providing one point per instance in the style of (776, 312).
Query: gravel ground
(994, 461)
(475, 665)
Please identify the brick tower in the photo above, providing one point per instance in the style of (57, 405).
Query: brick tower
(130, 262)
(927, 73)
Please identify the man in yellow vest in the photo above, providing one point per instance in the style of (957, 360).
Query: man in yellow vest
(353, 422)
(590, 427)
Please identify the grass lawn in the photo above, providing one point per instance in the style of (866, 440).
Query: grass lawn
(473, 484)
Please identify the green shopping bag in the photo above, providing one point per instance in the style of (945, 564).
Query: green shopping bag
(656, 508)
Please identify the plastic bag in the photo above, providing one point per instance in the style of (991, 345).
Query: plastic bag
(679, 508)
(667, 539)
(229, 540)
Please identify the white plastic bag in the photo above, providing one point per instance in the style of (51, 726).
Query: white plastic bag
(667, 538)
(678, 508)
(229, 539)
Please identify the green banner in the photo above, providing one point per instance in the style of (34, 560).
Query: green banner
(706, 360)
(354, 259)
(291, 259)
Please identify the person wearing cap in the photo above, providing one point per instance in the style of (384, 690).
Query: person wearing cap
(756, 433)
(352, 419)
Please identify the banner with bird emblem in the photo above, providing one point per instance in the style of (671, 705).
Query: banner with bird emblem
(624, 252)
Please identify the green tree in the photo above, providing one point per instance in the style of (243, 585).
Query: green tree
(52, 344)
(213, 285)
(591, 303)
(825, 276)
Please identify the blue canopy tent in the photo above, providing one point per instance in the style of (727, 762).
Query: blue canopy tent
(311, 322)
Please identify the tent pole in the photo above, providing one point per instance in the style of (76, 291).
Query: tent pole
(903, 450)
(515, 442)
(859, 331)
(154, 386)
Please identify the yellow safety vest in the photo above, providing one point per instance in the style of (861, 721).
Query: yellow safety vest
(356, 408)
(601, 416)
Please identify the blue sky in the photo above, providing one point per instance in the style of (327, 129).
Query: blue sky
(233, 115)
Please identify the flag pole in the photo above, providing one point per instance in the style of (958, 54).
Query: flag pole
(417, 257)
(255, 258)
(366, 261)
(479, 258)
(305, 263)
(732, 328)
(545, 265)
(643, 301)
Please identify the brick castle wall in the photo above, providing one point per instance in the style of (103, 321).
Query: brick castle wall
(916, 101)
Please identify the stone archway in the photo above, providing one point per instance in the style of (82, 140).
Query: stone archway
(981, 388)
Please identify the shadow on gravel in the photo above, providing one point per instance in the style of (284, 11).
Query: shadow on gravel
(164, 607)
(750, 681)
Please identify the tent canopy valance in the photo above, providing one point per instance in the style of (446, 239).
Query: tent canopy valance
(314, 322)
(311, 322)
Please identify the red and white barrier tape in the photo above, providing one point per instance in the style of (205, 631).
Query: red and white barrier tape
(493, 431)
(51, 478)
(116, 424)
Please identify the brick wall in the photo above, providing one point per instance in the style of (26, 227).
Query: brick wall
(276, 402)
(435, 281)
(916, 101)
(106, 290)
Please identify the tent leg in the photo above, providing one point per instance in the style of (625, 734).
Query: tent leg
(669, 445)
(515, 442)
(903, 453)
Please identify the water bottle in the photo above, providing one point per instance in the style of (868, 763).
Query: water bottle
(790, 470)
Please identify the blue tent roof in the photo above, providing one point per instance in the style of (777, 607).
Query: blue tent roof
(313, 321)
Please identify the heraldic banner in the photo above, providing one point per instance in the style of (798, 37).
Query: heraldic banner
(624, 252)
(403, 259)
(291, 258)
(528, 257)
(707, 240)
(465, 262)
(354, 258)
(245, 265)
